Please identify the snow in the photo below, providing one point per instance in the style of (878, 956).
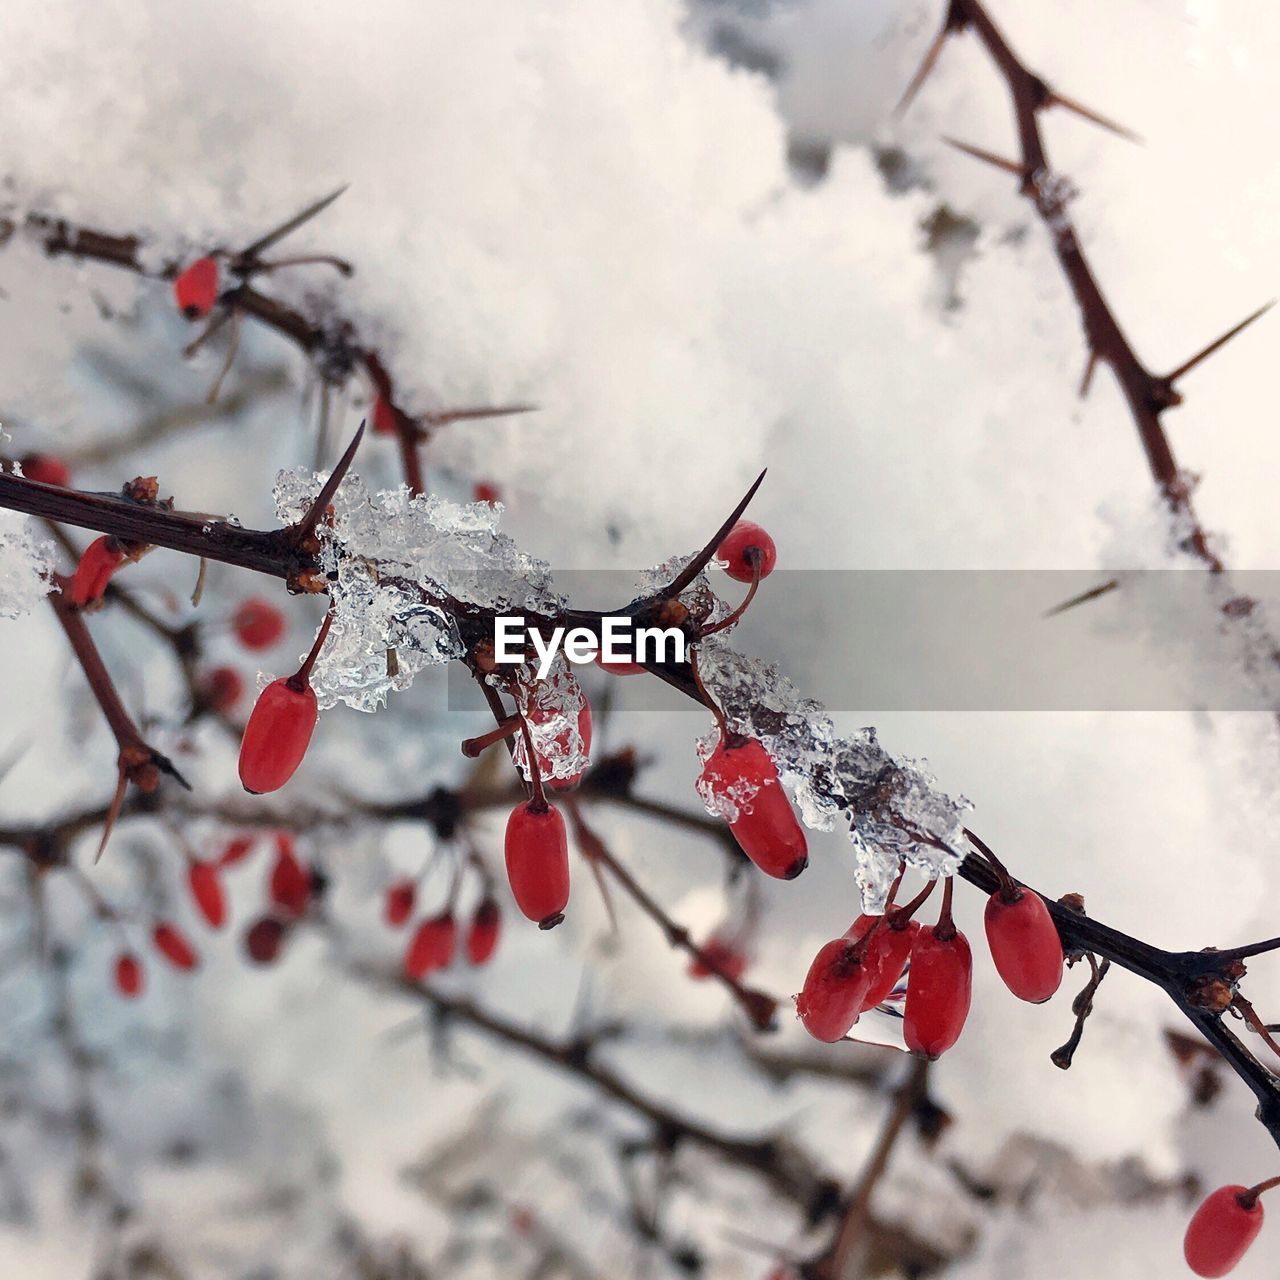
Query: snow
(591, 209)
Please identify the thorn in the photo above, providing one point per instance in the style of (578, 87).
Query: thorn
(122, 781)
(198, 589)
(288, 228)
(1094, 593)
(215, 325)
(1056, 99)
(1217, 343)
(1086, 380)
(169, 769)
(922, 72)
(703, 558)
(446, 416)
(1009, 166)
(307, 524)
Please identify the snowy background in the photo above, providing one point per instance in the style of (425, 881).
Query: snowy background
(699, 241)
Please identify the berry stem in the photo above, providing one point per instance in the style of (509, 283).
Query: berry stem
(754, 558)
(901, 915)
(1249, 1198)
(1010, 890)
(710, 702)
(508, 728)
(538, 804)
(945, 929)
(302, 677)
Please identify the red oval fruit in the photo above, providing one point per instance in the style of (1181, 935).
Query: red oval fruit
(483, 933)
(718, 956)
(258, 624)
(101, 558)
(834, 990)
(939, 987)
(766, 825)
(129, 975)
(537, 853)
(886, 955)
(277, 735)
(174, 946)
(264, 938)
(1025, 945)
(237, 850)
(431, 947)
(206, 889)
(384, 417)
(196, 288)
(222, 688)
(290, 883)
(46, 469)
(398, 907)
(1221, 1231)
(743, 543)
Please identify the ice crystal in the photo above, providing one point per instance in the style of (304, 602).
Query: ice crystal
(893, 809)
(400, 568)
(26, 564)
(551, 708)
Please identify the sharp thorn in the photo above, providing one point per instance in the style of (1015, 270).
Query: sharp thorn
(113, 813)
(288, 228)
(922, 72)
(446, 416)
(1218, 343)
(703, 558)
(1086, 380)
(308, 522)
(1094, 593)
(1009, 166)
(1056, 99)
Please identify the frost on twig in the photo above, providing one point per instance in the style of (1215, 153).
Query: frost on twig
(399, 570)
(26, 566)
(893, 809)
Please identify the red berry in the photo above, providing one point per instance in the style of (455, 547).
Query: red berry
(834, 991)
(886, 955)
(129, 974)
(742, 546)
(237, 851)
(174, 946)
(196, 288)
(206, 889)
(222, 688)
(400, 899)
(718, 956)
(743, 774)
(1221, 1231)
(537, 851)
(47, 469)
(482, 934)
(431, 947)
(487, 492)
(101, 558)
(1025, 945)
(277, 735)
(258, 624)
(384, 417)
(939, 986)
(290, 882)
(264, 938)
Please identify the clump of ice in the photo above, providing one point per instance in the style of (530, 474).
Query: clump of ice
(551, 708)
(400, 568)
(894, 810)
(26, 566)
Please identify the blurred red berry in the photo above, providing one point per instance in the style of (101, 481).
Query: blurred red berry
(129, 975)
(196, 288)
(718, 956)
(487, 492)
(222, 688)
(173, 945)
(384, 417)
(47, 469)
(400, 899)
(290, 883)
(431, 946)
(258, 624)
(263, 939)
(237, 850)
(483, 933)
(206, 889)
(101, 558)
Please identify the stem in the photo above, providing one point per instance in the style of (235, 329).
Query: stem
(1249, 1198)
(302, 677)
(753, 554)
